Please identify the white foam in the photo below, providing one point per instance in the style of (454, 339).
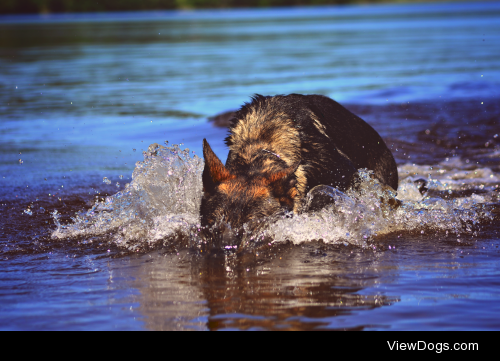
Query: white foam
(163, 198)
(162, 202)
(452, 174)
(358, 217)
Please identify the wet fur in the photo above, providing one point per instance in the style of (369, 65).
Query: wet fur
(282, 146)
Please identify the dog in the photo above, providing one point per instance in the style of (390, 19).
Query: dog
(282, 146)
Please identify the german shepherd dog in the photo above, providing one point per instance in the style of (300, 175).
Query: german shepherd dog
(282, 146)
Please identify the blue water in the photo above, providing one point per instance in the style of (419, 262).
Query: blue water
(83, 95)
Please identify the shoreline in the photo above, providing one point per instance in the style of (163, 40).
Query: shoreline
(29, 7)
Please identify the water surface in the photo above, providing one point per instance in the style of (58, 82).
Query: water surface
(83, 96)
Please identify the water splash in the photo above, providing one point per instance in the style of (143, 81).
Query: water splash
(163, 198)
(160, 206)
(371, 209)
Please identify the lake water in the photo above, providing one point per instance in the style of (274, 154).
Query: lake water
(84, 245)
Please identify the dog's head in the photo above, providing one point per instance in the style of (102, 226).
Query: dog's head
(237, 199)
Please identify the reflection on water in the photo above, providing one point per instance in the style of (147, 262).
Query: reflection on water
(315, 286)
(295, 288)
(169, 296)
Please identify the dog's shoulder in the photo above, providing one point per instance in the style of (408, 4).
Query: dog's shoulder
(265, 124)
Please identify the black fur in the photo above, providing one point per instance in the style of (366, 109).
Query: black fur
(329, 145)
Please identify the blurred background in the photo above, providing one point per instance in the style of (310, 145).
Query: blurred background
(57, 6)
(83, 94)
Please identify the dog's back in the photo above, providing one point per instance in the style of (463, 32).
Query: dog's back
(327, 141)
(310, 137)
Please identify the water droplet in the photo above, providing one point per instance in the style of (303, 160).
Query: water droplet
(106, 180)
(20, 161)
(117, 185)
(120, 176)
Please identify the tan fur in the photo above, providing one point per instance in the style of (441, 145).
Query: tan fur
(301, 188)
(321, 128)
(218, 171)
(274, 132)
(259, 192)
(233, 187)
(227, 187)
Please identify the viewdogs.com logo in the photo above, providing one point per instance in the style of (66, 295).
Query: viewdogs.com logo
(429, 346)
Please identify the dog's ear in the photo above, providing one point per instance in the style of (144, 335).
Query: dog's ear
(283, 185)
(214, 172)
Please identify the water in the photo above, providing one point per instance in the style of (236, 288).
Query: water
(100, 231)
